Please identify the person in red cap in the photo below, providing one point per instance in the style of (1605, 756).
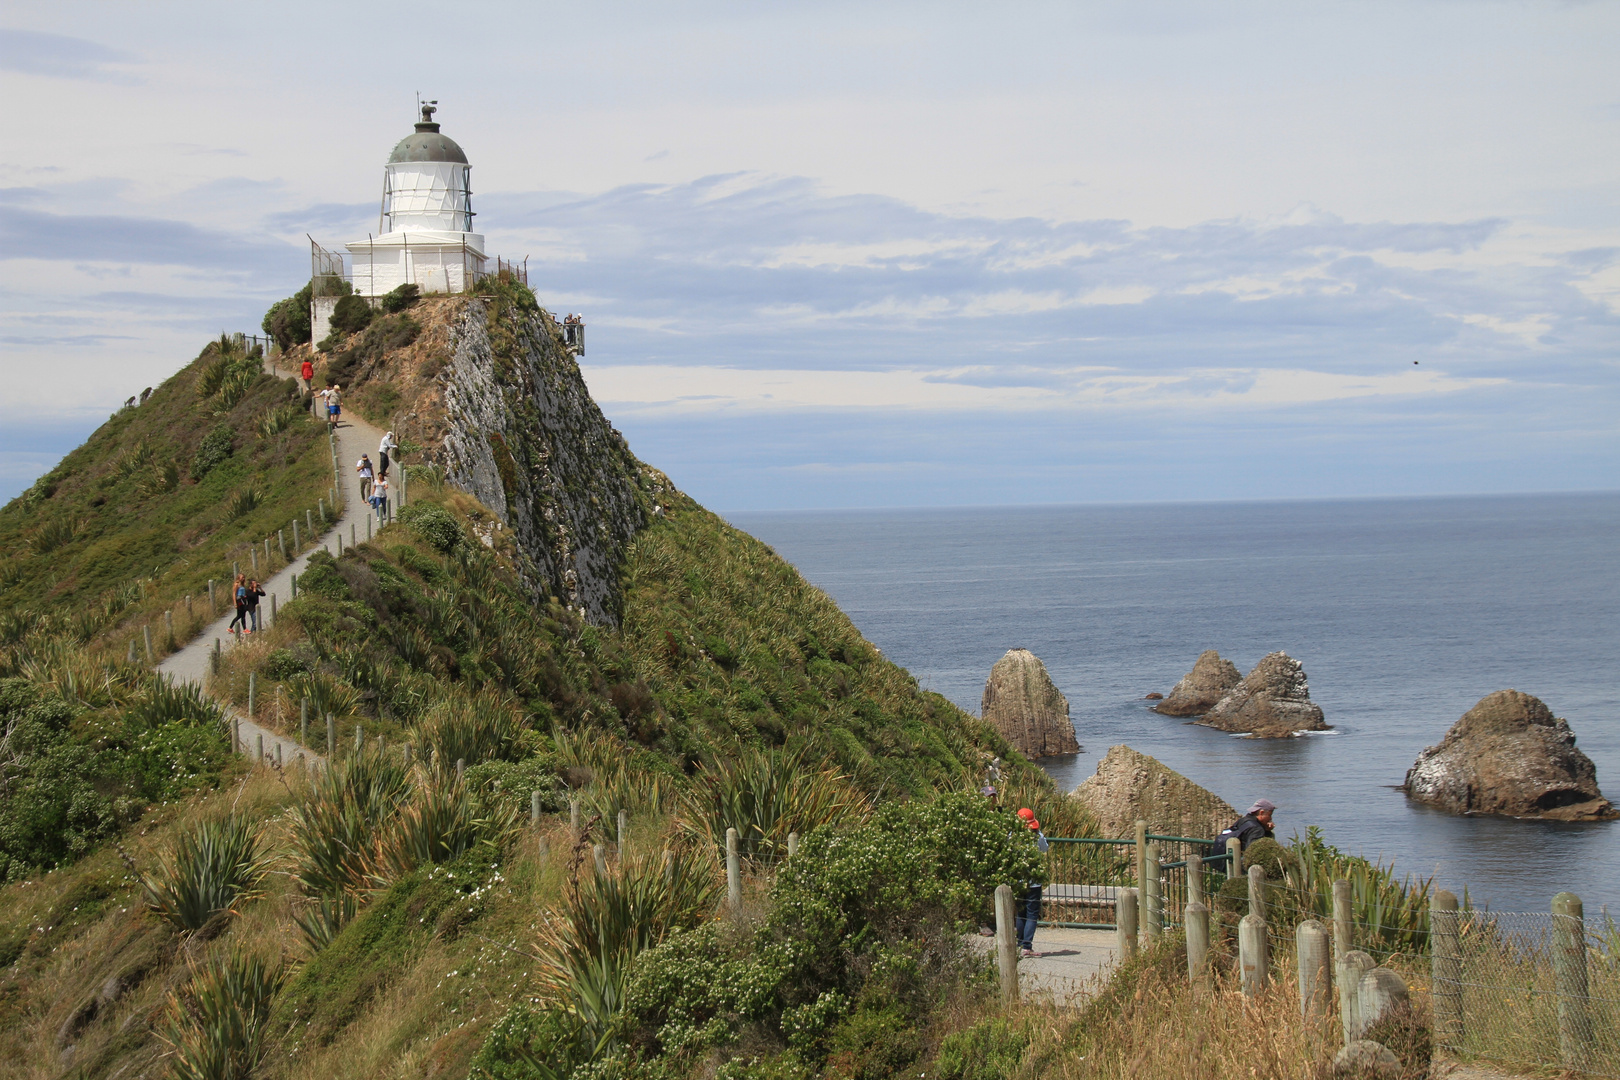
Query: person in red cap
(306, 372)
(1029, 904)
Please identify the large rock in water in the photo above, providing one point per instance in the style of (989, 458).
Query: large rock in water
(1272, 702)
(1020, 700)
(1129, 785)
(1510, 755)
(1203, 686)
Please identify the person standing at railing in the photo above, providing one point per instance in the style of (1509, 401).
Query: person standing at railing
(1255, 824)
(384, 448)
(1029, 904)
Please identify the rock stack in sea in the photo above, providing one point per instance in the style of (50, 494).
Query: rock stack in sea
(1130, 785)
(1024, 706)
(1272, 702)
(1510, 755)
(1203, 686)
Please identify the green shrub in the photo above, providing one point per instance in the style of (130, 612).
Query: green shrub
(990, 1050)
(288, 320)
(352, 314)
(215, 448)
(55, 534)
(52, 809)
(434, 524)
(283, 664)
(401, 297)
(282, 417)
(214, 866)
(217, 1024)
(512, 783)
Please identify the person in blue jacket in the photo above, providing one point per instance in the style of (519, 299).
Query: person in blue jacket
(1029, 904)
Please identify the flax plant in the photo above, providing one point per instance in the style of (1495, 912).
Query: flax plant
(215, 867)
(765, 795)
(216, 1025)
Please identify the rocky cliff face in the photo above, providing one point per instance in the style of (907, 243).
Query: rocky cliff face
(1273, 701)
(1198, 691)
(1509, 755)
(1129, 785)
(1020, 700)
(521, 433)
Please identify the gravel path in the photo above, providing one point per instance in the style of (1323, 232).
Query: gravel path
(191, 663)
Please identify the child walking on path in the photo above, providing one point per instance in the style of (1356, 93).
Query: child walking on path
(239, 596)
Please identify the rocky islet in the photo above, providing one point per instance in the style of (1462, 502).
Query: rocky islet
(1022, 703)
(1201, 688)
(1510, 756)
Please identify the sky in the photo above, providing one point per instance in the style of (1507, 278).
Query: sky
(867, 255)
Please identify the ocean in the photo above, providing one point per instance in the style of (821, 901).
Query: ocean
(1405, 612)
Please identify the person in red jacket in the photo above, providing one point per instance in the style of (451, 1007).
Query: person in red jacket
(307, 374)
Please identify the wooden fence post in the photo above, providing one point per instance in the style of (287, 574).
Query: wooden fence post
(303, 721)
(253, 693)
(1234, 857)
(733, 871)
(1343, 926)
(1347, 974)
(129, 657)
(1006, 945)
(793, 844)
(599, 852)
(1380, 990)
(1125, 923)
(236, 734)
(272, 609)
(296, 544)
(1570, 978)
(259, 760)
(1196, 920)
(573, 815)
(1257, 892)
(534, 802)
(1254, 953)
(1195, 879)
(281, 541)
(213, 606)
(331, 737)
(1153, 895)
(1446, 975)
(461, 768)
(146, 638)
(1315, 976)
(217, 655)
(168, 629)
(278, 755)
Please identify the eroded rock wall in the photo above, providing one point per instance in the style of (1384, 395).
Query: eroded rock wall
(1129, 785)
(521, 434)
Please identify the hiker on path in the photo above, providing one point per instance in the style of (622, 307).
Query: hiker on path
(251, 594)
(383, 449)
(239, 597)
(306, 373)
(1255, 824)
(379, 500)
(334, 406)
(1029, 904)
(363, 467)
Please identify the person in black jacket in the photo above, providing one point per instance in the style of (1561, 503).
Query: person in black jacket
(1255, 824)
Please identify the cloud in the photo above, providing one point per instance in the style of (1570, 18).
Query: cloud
(33, 53)
(34, 234)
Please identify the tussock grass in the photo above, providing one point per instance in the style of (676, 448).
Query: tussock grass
(214, 867)
(216, 1026)
(765, 795)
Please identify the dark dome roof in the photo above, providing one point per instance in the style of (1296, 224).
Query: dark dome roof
(427, 145)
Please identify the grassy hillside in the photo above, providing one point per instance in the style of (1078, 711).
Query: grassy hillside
(164, 496)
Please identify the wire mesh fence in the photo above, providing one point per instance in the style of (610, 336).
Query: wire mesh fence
(1531, 988)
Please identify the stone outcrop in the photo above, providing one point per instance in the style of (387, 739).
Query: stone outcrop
(1272, 702)
(1024, 706)
(1210, 679)
(521, 433)
(1129, 785)
(1510, 755)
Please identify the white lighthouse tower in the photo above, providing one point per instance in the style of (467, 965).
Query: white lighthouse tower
(425, 231)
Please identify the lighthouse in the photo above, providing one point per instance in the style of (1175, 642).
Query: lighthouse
(425, 234)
